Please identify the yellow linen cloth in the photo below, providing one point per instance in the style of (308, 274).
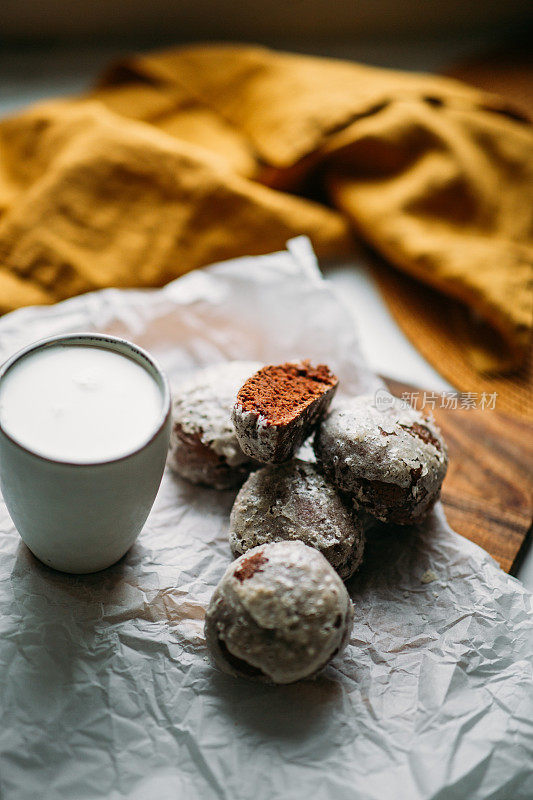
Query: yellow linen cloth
(194, 155)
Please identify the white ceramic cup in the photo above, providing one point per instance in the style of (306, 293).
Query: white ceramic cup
(82, 518)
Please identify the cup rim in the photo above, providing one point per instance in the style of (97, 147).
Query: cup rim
(98, 339)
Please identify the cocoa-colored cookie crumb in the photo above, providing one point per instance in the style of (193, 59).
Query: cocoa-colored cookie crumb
(278, 407)
(423, 433)
(250, 566)
(280, 392)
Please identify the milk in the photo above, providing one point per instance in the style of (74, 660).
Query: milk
(79, 403)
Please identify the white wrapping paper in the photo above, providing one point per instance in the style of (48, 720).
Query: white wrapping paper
(106, 691)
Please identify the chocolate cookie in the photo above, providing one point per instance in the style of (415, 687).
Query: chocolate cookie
(391, 461)
(279, 614)
(203, 445)
(294, 501)
(278, 407)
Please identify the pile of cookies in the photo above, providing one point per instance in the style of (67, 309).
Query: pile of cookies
(281, 611)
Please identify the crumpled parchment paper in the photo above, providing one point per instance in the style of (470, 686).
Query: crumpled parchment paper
(106, 691)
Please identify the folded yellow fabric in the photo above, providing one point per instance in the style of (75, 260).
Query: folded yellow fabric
(94, 200)
(182, 158)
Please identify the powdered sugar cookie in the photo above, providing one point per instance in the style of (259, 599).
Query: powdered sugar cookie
(203, 444)
(279, 614)
(278, 407)
(391, 461)
(293, 501)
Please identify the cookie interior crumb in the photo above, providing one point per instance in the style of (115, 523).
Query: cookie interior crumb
(279, 392)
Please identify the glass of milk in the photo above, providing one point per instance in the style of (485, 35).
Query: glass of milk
(84, 431)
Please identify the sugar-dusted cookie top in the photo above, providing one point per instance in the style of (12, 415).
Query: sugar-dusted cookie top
(280, 613)
(392, 460)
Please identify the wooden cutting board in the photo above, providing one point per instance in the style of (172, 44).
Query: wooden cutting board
(487, 493)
